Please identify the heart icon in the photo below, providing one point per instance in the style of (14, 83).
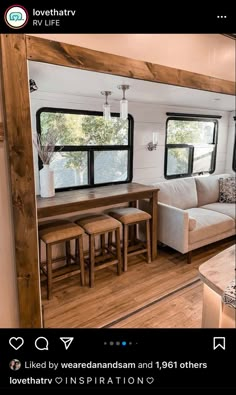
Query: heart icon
(58, 380)
(150, 380)
(16, 342)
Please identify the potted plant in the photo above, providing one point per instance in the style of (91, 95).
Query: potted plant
(45, 145)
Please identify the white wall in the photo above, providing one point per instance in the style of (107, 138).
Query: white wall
(8, 289)
(230, 143)
(148, 166)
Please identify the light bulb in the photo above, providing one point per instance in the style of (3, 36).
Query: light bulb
(124, 109)
(107, 112)
(123, 103)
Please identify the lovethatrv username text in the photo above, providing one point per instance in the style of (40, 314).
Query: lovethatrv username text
(54, 12)
(81, 380)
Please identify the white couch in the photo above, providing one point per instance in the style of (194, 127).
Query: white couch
(189, 214)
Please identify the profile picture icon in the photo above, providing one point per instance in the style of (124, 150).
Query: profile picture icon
(16, 16)
(15, 364)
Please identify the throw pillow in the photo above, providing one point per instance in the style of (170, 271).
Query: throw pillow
(227, 190)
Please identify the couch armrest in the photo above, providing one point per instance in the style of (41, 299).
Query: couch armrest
(172, 224)
(173, 227)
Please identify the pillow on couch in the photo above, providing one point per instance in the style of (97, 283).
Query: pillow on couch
(227, 190)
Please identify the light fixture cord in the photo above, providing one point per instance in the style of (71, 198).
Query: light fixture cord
(123, 93)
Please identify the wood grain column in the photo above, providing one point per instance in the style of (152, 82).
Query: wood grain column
(154, 220)
(1, 132)
(17, 127)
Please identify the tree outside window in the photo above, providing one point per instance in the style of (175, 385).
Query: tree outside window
(190, 146)
(90, 150)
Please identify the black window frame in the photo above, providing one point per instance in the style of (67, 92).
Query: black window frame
(234, 148)
(191, 146)
(90, 149)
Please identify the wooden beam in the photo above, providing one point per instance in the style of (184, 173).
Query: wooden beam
(68, 55)
(18, 134)
(1, 131)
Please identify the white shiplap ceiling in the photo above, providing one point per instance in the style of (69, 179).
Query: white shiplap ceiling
(64, 80)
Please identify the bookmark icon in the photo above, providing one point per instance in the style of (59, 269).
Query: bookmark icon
(67, 341)
(218, 342)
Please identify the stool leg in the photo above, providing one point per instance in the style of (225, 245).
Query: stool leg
(118, 251)
(132, 232)
(125, 247)
(92, 260)
(76, 250)
(68, 261)
(103, 244)
(49, 270)
(81, 259)
(148, 241)
(109, 240)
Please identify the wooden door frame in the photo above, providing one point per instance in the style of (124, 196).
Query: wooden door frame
(16, 50)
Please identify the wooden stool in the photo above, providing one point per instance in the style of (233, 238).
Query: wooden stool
(58, 231)
(133, 216)
(99, 225)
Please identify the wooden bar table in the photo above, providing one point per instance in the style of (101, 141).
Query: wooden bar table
(89, 198)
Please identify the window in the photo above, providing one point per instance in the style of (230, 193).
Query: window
(190, 146)
(90, 151)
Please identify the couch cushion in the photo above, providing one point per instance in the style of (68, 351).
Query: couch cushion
(208, 188)
(209, 224)
(223, 208)
(179, 193)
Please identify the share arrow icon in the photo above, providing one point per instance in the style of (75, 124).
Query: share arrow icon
(67, 341)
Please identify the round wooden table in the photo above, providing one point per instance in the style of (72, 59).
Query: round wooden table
(216, 274)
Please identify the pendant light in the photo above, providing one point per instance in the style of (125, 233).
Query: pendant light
(123, 103)
(106, 106)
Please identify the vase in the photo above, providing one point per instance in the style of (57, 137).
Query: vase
(46, 177)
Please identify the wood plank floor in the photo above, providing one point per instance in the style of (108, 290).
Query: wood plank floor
(114, 297)
(183, 309)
